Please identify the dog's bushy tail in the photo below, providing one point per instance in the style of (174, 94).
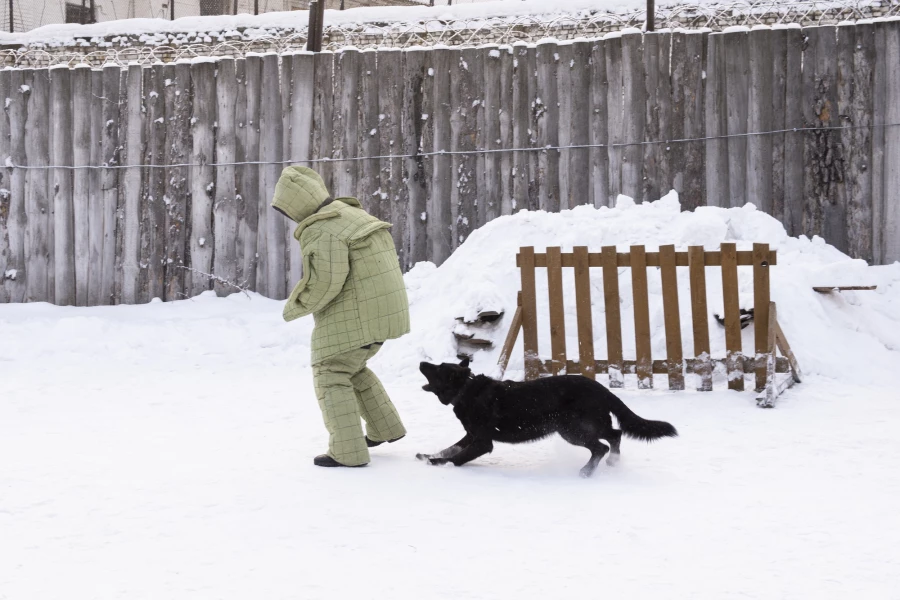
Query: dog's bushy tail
(637, 428)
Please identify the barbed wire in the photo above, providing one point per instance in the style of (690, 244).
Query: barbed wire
(168, 47)
(437, 153)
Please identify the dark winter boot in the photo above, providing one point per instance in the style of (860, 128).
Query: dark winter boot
(323, 460)
(372, 443)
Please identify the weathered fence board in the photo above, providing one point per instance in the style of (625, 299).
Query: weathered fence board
(201, 242)
(61, 186)
(82, 108)
(224, 208)
(633, 113)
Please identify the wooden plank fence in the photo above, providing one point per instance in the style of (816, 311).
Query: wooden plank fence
(762, 362)
(118, 185)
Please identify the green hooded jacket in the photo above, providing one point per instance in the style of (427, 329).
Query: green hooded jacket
(352, 283)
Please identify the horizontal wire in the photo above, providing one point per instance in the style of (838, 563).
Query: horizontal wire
(11, 165)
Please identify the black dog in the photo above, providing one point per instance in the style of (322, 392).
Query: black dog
(514, 412)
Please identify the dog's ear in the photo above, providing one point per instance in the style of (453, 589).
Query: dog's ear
(464, 363)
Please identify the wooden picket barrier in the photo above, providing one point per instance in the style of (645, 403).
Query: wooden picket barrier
(765, 364)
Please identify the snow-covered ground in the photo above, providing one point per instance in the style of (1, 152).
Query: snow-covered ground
(165, 450)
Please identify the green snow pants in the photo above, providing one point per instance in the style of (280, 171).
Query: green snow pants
(347, 389)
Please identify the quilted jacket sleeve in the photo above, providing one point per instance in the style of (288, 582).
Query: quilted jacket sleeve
(326, 264)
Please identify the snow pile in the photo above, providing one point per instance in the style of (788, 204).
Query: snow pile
(856, 334)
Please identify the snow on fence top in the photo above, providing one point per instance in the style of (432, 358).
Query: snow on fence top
(158, 40)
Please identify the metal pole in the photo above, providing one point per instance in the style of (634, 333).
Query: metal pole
(651, 15)
(312, 28)
(234, 11)
(81, 18)
(93, 16)
(12, 26)
(255, 7)
(172, 10)
(320, 24)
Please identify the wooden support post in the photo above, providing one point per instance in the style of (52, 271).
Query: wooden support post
(511, 337)
(613, 317)
(732, 317)
(641, 317)
(761, 310)
(583, 311)
(557, 311)
(675, 356)
(700, 318)
(529, 314)
(769, 390)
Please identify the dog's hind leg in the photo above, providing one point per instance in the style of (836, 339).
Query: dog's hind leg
(614, 438)
(450, 452)
(598, 449)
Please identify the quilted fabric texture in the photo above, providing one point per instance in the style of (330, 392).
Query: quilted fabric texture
(352, 283)
(347, 389)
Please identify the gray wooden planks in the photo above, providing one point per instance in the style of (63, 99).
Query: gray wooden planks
(224, 207)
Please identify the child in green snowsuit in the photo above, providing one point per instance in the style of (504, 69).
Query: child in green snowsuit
(353, 287)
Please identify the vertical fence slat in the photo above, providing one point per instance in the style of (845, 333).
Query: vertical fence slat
(583, 312)
(761, 310)
(533, 158)
(609, 259)
(737, 82)
(252, 239)
(634, 100)
(95, 192)
(38, 203)
(557, 311)
(578, 124)
(817, 107)
(82, 107)
(291, 248)
(672, 314)
(440, 217)
(323, 112)
(110, 153)
(529, 314)
(346, 119)
(599, 130)
(641, 317)
(202, 178)
(793, 142)
(547, 119)
(270, 149)
(658, 106)
(505, 175)
(390, 101)
(702, 361)
(859, 200)
(301, 125)
(759, 147)
(465, 102)
(156, 189)
(615, 114)
(879, 113)
(178, 146)
(373, 197)
(521, 123)
(489, 190)
(6, 240)
(122, 159)
(61, 184)
(733, 358)
(717, 172)
(891, 224)
(224, 209)
(412, 135)
(679, 65)
(17, 223)
(566, 74)
(695, 77)
(778, 41)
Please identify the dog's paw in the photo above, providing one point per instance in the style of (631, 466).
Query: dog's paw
(586, 472)
(613, 460)
(421, 456)
(437, 461)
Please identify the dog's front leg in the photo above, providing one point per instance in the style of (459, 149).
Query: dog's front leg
(447, 453)
(477, 448)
